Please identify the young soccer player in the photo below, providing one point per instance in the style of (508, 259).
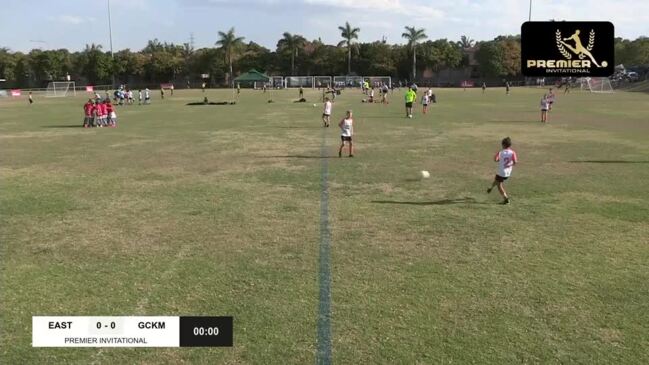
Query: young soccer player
(301, 93)
(550, 99)
(544, 108)
(31, 98)
(172, 89)
(506, 159)
(484, 87)
(103, 116)
(371, 99)
(88, 109)
(162, 94)
(112, 116)
(424, 101)
(507, 88)
(326, 113)
(139, 97)
(131, 99)
(384, 97)
(147, 96)
(411, 96)
(346, 132)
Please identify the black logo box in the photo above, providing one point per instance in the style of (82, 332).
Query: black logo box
(539, 42)
(199, 331)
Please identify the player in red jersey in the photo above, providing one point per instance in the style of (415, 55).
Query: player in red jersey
(88, 109)
(110, 111)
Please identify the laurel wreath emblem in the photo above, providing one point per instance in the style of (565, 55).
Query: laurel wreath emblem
(563, 51)
(591, 43)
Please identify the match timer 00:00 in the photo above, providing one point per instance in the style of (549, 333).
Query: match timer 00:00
(132, 331)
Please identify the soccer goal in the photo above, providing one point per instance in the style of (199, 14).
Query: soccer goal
(277, 82)
(60, 89)
(378, 81)
(322, 81)
(299, 81)
(596, 84)
(347, 81)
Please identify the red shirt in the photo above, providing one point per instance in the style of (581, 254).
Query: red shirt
(103, 109)
(109, 108)
(87, 108)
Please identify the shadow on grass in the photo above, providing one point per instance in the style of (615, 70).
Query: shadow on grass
(63, 126)
(607, 161)
(465, 200)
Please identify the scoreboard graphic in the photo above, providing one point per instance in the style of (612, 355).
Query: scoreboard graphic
(131, 331)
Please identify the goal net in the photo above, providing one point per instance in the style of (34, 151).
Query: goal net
(299, 81)
(378, 81)
(277, 82)
(596, 84)
(347, 81)
(322, 81)
(60, 89)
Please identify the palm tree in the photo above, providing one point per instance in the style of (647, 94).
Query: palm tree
(413, 36)
(349, 34)
(465, 42)
(229, 42)
(292, 43)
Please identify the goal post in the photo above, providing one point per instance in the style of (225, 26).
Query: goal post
(322, 81)
(299, 81)
(347, 81)
(596, 84)
(60, 89)
(378, 81)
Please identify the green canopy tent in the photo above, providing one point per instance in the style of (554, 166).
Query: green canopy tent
(251, 78)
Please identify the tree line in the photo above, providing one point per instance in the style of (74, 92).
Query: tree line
(294, 55)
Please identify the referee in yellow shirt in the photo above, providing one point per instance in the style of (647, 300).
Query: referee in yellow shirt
(411, 96)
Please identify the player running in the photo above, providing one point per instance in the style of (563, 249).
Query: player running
(326, 113)
(506, 159)
(346, 132)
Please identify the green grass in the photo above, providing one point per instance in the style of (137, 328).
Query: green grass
(214, 210)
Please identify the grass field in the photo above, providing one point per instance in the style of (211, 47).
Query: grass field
(215, 210)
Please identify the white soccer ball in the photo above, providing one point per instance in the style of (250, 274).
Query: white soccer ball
(314, 105)
(424, 174)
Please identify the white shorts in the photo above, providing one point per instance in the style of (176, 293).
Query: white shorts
(113, 115)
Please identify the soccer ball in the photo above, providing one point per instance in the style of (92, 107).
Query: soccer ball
(424, 174)
(314, 105)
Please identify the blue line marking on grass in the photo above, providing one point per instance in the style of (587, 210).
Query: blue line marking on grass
(323, 356)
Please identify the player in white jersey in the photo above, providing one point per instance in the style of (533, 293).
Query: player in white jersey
(425, 100)
(346, 132)
(506, 159)
(545, 105)
(326, 113)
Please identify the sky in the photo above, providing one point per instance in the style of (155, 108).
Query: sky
(71, 24)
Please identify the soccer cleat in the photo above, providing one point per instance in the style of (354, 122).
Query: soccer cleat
(351, 155)
(340, 154)
(506, 201)
(489, 190)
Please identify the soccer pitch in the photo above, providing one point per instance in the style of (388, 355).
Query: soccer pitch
(216, 210)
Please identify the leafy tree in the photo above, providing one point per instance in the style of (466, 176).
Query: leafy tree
(95, 64)
(229, 43)
(490, 58)
(465, 42)
(349, 35)
(291, 43)
(413, 36)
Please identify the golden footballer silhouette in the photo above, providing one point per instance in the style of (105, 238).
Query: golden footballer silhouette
(578, 49)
